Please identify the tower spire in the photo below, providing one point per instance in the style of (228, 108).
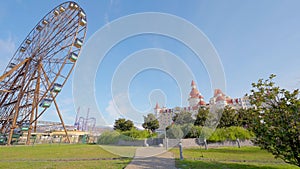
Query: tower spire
(157, 110)
(156, 106)
(193, 84)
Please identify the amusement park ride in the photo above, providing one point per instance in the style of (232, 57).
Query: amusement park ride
(39, 69)
(85, 124)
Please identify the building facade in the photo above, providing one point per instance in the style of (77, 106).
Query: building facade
(220, 100)
(196, 100)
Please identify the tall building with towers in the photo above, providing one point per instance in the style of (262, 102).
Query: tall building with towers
(196, 100)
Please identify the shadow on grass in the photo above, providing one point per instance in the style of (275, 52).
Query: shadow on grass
(185, 164)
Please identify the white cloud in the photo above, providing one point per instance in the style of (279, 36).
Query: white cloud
(113, 8)
(121, 107)
(112, 111)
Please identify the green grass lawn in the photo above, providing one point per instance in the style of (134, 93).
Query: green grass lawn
(61, 156)
(229, 158)
(123, 151)
(94, 156)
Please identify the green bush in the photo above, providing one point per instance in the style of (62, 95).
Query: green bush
(125, 138)
(186, 128)
(205, 132)
(109, 137)
(194, 132)
(218, 135)
(112, 137)
(138, 134)
(239, 132)
(178, 131)
(230, 134)
(174, 132)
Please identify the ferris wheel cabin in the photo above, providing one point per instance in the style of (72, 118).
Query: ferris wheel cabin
(62, 9)
(39, 28)
(12, 65)
(22, 49)
(46, 103)
(56, 88)
(28, 41)
(78, 43)
(73, 6)
(73, 57)
(25, 126)
(82, 22)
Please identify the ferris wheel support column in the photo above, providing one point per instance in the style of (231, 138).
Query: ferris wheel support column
(35, 122)
(56, 106)
(34, 111)
(37, 98)
(61, 120)
(17, 106)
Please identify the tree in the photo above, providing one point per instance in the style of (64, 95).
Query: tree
(201, 117)
(186, 128)
(243, 118)
(194, 132)
(183, 118)
(123, 124)
(174, 132)
(150, 123)
(276, 120)
(228, 118)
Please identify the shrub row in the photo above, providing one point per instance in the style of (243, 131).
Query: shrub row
(179, 131)
(230, 134)
(218, 135)
(112, 137)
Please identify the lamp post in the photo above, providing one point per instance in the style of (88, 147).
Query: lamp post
(166, 139)
(180, 150)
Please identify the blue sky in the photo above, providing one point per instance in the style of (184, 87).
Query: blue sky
(253, 39)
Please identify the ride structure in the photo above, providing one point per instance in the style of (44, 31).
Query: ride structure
(39, 69)
(85, 124)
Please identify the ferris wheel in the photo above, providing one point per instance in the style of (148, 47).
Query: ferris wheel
(39, 69)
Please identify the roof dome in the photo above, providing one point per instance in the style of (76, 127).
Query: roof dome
(202, 103)
(220, 98)
(218, 92)
(194, 93)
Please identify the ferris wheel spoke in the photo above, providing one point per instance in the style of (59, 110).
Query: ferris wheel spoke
(41, 41)
(55, 43)
(13, 88)
(16, 106)
(57, 35)
(52, 48)
(51, 52)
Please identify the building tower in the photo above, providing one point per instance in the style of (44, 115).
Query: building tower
(157, 110)
(196, 99)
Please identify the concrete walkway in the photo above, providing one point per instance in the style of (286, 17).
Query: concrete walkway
(152, 157)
